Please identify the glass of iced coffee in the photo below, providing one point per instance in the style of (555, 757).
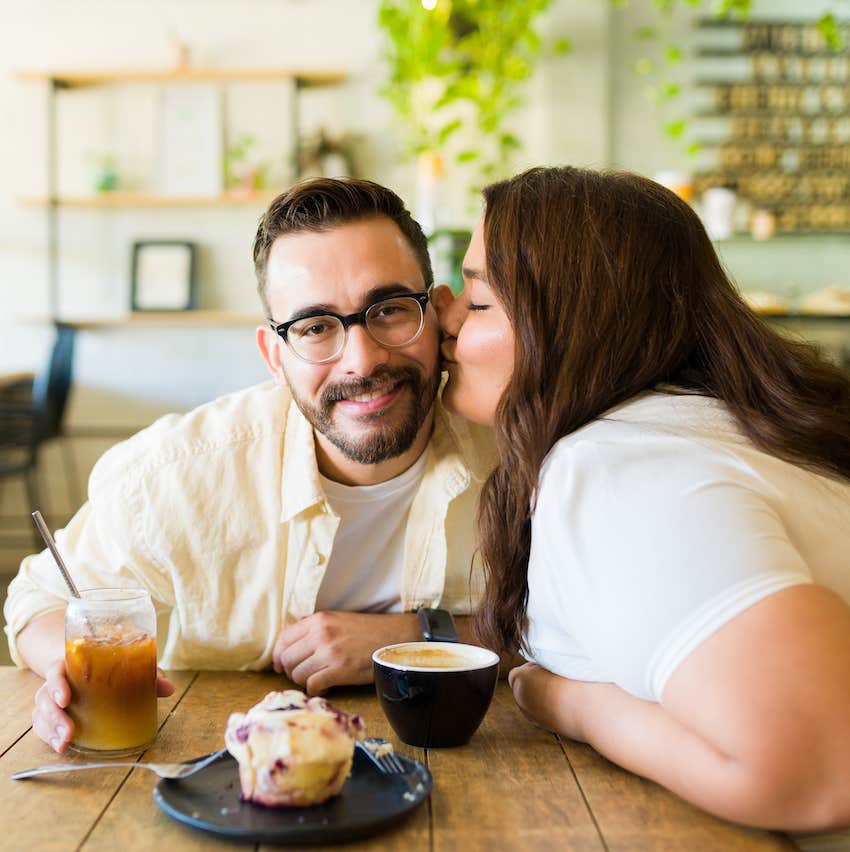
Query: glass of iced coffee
(110, 660)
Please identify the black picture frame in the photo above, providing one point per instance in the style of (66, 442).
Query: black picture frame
(162, 275)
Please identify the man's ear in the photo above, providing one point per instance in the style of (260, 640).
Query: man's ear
(268, 343)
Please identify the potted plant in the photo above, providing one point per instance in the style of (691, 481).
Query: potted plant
(456, 74)
(241, 173)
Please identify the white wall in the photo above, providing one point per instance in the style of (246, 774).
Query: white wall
(586, 108)
(125, 378)
(563, 122)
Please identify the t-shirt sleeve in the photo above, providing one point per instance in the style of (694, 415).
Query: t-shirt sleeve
(647, 551)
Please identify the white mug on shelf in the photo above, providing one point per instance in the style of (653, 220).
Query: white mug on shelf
(718, 212)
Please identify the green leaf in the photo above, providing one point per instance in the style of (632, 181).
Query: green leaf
(694, 148)
(447, 130)
(562, 46)
(466, 156)
(733, 8)
(831, 32)
(673, 54)
(645, 33)
(669, 91)
(508, 140)
(675, 128)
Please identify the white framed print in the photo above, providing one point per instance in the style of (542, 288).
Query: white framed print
(191, 140)
(163, 275)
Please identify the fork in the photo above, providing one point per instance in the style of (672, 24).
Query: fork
(381, 753)
(164, 770)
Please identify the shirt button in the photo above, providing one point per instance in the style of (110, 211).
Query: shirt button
(317, 559)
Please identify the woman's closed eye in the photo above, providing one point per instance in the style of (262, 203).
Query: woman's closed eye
(472, 306)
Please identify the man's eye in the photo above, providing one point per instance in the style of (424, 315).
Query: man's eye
(471, 306)
(316, 329)
(386, 311)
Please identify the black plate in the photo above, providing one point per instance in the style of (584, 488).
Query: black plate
(369, 802)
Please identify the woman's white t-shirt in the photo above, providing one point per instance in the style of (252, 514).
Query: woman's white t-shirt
(658, 523)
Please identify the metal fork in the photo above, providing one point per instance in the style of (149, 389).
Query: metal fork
(381, 753)
(164, 770)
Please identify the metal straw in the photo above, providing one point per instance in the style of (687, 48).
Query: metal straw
(51, 544)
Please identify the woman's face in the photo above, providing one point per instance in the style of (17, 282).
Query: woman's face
(478, 344)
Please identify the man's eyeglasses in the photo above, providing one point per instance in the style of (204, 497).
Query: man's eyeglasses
(392, 322)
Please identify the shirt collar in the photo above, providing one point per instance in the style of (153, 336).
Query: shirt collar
(299, 485)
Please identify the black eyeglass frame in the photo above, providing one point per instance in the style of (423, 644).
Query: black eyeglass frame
(357, 318)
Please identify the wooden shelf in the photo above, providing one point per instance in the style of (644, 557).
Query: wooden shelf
(154, 319)
(111, 200)
(150, 319)
(69, 79)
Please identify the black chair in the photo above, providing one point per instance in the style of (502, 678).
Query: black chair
(52, 387)
(19, 430)
(31, 413)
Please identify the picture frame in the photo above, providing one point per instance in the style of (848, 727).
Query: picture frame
(162, 276)
(191, 141)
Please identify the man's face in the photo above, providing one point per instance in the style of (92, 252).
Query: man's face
(371, 402)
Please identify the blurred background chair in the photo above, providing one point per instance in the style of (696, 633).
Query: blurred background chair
(32, 410)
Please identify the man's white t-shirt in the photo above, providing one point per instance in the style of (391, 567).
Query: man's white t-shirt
(364, 570)
(658, 523)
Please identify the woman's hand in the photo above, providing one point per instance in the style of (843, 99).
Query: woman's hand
(50, 722)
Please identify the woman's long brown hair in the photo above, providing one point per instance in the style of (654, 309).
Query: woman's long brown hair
(613, 288)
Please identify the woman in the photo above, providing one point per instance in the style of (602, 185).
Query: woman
(667, 535)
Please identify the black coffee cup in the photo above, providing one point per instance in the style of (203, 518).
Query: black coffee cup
(435, 694)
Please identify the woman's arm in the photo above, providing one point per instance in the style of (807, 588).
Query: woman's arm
(754, 725)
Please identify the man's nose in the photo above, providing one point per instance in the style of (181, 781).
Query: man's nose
(362, 354)
(451, 310)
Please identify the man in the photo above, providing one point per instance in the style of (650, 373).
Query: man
(300, 523)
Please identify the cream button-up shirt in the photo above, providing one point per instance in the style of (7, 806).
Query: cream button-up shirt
(220, 515)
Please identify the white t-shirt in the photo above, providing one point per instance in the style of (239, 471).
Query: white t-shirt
(365, 567)
(657, 524)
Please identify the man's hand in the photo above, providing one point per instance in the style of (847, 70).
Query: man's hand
(335, 648)
(50, 722)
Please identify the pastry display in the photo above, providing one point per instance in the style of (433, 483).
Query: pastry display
(292, 751)
(763, 302)
(833, 300)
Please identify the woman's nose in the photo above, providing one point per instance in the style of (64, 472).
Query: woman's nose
(450, 309)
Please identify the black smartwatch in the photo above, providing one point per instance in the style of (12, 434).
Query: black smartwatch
(437, 625)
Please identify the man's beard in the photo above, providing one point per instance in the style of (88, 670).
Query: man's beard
(385, 441)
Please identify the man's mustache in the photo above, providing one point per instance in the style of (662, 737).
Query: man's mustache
(383, 378)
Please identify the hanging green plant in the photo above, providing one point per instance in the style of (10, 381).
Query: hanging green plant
(457, 70)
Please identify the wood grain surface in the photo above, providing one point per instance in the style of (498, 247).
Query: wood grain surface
(513, 787)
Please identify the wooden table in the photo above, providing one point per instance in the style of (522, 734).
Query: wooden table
(514, 787)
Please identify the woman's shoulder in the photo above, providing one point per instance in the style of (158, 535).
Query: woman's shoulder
(679, 451)
(648, 427)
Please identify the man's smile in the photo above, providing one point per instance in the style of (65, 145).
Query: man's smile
(369, 402)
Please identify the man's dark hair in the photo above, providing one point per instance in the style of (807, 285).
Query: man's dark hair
(319, 204)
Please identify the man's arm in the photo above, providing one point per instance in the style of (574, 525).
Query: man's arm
(42, 642)
(335, 648)
(754, 725)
